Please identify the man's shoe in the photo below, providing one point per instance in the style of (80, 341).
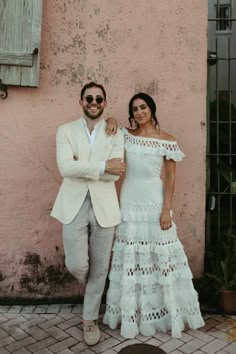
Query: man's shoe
(91, 332)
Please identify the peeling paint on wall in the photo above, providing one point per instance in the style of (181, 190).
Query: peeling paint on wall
(150, 87)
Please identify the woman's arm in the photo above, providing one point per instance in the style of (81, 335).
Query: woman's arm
(111, 126)
(165, 218)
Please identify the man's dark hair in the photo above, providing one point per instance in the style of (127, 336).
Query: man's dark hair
(92, 84)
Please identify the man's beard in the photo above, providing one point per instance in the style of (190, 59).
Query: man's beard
(93, 116)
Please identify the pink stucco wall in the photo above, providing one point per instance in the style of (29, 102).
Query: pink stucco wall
(155, 46)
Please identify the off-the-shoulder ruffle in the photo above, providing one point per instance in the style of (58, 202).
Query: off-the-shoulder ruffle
(139, 144)
(177, 155)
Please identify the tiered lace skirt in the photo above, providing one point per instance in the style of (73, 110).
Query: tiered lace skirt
(151, 286)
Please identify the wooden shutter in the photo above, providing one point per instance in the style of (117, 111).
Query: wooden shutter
(20, 33)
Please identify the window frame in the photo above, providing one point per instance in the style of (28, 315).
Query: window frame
(218, 13)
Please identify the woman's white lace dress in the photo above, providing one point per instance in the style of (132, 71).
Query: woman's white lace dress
(150, 280)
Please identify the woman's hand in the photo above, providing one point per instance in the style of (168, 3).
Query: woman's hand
(165, 219)
(111, 126)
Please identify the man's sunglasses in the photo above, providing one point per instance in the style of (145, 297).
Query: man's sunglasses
(90, 98)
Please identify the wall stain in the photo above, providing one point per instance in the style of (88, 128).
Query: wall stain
(97, 11)
(98, 51)
(2, 277)
(42, 277)
(192, 228)
(103, 32)
(99, 74)
(78, 44)
(182, 210)
(73, 74)
(32, 259)
(151, 88)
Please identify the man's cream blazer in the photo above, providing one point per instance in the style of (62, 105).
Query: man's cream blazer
(80, 170)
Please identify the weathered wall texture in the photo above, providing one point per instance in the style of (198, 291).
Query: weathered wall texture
(155, 46)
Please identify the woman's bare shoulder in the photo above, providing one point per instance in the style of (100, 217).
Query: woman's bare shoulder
(128, 129)
(166, 136)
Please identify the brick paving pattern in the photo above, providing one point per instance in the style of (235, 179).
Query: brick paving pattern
(57, 329)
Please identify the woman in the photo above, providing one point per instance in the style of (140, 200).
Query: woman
(150, 281)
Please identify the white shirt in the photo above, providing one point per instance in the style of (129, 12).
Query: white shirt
(92, 137)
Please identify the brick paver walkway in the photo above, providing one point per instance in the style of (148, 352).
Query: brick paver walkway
(48, 329)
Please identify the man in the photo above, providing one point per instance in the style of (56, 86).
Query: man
(87, 205)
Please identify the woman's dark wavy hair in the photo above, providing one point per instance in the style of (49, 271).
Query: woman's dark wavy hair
(151, 104)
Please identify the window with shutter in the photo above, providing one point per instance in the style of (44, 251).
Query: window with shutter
(20, 34)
